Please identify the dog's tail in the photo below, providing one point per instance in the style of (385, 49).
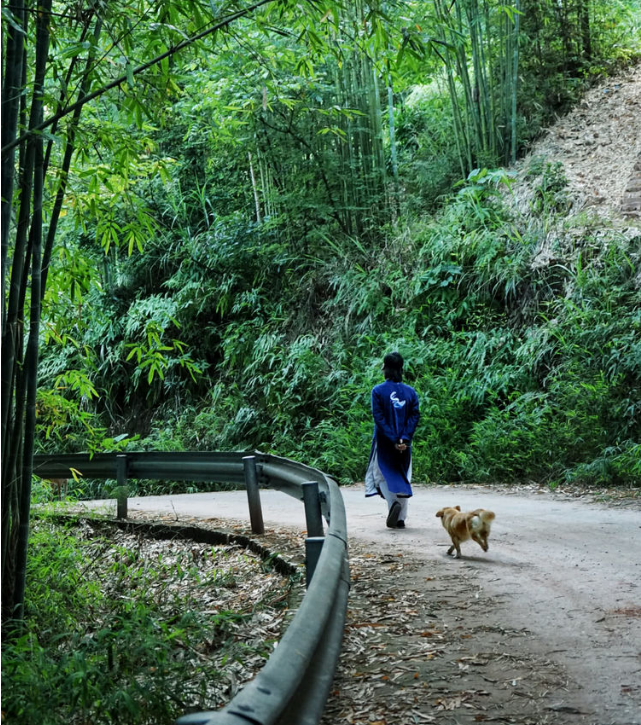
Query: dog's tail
(481, 518)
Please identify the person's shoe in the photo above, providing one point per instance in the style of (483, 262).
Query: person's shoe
(392, 516)
(400, 524)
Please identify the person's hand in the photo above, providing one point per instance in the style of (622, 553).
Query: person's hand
(401, 446)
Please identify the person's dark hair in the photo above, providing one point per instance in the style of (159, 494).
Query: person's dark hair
(393, 367)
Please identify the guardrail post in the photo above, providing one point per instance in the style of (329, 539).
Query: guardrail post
(121, 490)
(313, 515)
(313, 548)
(253, 495)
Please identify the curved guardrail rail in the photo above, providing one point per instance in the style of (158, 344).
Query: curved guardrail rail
(293, 686)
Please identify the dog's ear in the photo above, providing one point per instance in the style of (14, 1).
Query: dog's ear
(458, 508)
(439, 514)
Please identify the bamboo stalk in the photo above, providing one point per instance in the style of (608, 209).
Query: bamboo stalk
(377, 136)
(252, 176)
(32, 185)
(63, 175)
(20, 251)
(67, 81)
(584, 22)
(11, 95)
(471, 115)
(392, 142)
(462, 145)
(506, 76)
(489, 90)
(31, 378)
(515, 75)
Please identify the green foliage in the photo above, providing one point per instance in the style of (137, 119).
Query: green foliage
(282, 256)
(619, 465)
(428, 157)
(550, 191)
(524, 372)
(113, 628)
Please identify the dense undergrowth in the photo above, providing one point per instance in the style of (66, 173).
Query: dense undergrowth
(521, 332)
(125, 628)
(520, 324)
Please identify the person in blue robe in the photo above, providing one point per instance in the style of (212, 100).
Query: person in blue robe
(395, 409)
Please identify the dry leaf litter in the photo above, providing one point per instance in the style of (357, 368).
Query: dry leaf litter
(599, 145)
(409, 654)
(227, 582)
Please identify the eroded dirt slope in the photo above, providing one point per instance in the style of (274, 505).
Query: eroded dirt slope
(599, 145)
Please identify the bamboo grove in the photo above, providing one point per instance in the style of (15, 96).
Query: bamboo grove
(55, 63)
(135, 135)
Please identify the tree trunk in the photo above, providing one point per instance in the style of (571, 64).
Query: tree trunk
(27, 251)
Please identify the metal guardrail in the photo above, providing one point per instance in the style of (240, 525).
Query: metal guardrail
(293, 686)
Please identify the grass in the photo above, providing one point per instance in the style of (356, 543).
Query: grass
(121, 627)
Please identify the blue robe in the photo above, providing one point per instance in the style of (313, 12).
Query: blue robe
(396, 415)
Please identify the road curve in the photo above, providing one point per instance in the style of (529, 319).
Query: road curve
(567, 570)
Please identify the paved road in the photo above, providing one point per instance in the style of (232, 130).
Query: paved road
(567, 570)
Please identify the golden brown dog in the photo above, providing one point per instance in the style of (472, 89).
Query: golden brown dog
(463, 526)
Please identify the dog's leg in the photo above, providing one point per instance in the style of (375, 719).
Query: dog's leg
(456, 544)
(481, 541)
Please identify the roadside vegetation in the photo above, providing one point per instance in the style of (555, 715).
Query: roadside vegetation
(216, 219)
(122, 627)
(236, 287)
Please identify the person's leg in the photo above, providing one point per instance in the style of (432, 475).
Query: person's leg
(374, 480)
(393, 498)
(404, 501)
(381, 484)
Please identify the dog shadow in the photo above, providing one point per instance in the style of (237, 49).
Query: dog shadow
(484, 560)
